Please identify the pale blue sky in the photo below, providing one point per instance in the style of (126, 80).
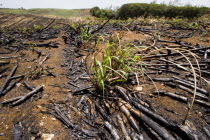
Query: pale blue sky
(78, 4)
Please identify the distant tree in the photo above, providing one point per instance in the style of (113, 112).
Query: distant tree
(161, 10)
(102, 13)
(95, 11)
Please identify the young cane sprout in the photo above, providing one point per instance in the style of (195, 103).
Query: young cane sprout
(118, 60)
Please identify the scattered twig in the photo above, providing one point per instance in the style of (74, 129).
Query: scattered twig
(154, 115)
(8, 57)
(3, 70)
(101, 26)
(112, 130)
(122, 125)
(191, 86)
(16, 77)
(102, 112)
(25, 97)
(49, 44)
(11, 100)
(28, 86)
(181, 98)
(63, 118)
(45, 59)
(198, 94)
(82, 89)
(183, 64)
(176, 53)
(80, 101)
(7, 81)
(71, 65)
(47, 26)
(167, 41)
(73, 84)
(122, 91)
(4, 62)
(207, 132)
(133, 122)
(162, 79)
(8, 88)
(92, 107)
(159, 130)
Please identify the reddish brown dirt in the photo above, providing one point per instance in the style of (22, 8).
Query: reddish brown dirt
(205, 41)
(33, 112)
(9, 21)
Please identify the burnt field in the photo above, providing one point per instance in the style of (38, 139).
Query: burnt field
(140, 79)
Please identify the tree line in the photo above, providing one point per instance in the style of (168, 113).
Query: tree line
(156, 10)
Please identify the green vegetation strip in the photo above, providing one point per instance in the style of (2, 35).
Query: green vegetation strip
(50, 12)
(157, 10)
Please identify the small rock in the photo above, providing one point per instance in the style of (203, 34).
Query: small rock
(41, 123)
(18, 84)
(151, 95)
(133, 82)
(199, 113)
(2, 134)
(160, 72)
(53, 119)
(86, 110)
(138, 88)
(33, 138)
(6, 126)
(43, 110)
(39, 106)
(47, 136)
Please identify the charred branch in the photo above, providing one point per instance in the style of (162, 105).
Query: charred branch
(7, 81)
(25, 97)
